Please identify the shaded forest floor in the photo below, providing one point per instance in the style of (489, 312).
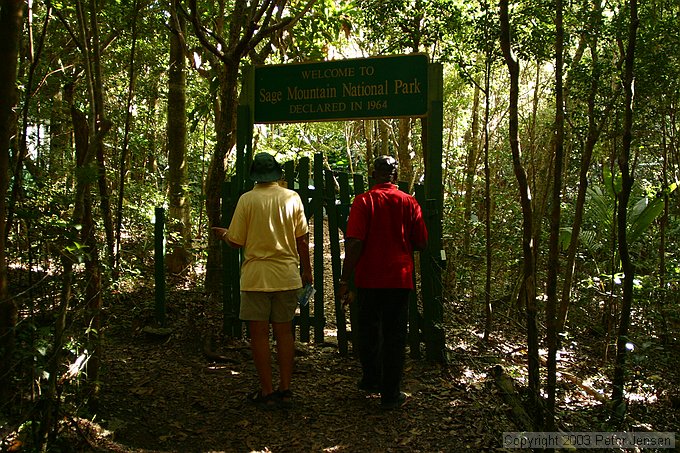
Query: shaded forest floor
(161, 394)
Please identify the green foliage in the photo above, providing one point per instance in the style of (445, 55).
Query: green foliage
(612, 181)
(534, 30)
(596, 236)
(642, 214)
(329, 24)
(399, 26)
(296, 140)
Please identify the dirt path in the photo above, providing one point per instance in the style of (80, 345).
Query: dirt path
(161, 394)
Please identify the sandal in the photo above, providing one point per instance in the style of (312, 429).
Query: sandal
(285, 398)
(268, 402)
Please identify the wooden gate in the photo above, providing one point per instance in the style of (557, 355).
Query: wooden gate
(326, 195)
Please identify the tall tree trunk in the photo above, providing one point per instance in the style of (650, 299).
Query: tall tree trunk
(21, 156)
(350, 130)
(404, 151)
(93, 295)
(50, 418)
(540, 170)
(624, 196)
(97, 127)
(226, 138)
(610, 305)
(593, 135)
(472, 144)
(126, 135)
(555, 217)
(487, 193)
(11, 17)
(102, 125)
(384, 134)
(82, 215)
(179, 222)
(663, 226)
(59, 138)
(528, 285)
(368, 137)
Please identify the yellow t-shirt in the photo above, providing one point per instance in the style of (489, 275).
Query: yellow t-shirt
(267, 220)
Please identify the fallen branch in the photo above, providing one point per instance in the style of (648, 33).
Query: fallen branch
(507, 387)
(579, 383)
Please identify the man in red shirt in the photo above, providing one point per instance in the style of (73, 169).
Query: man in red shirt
(385, 226)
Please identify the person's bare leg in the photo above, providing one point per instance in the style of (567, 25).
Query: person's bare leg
(285, 352)
(259, 345)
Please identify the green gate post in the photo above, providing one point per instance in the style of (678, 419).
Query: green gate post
(232, 325)
(416, 324)
(303, 191)
(303, 180)
(342, 211)
(358, 188)
(433, 308)
(413, 313)
(289, 174)
(159, 259)
(303, 319)
(343, 207)
(358, 183)
(334, 237)
(317, 209)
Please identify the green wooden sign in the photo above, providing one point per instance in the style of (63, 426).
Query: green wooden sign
(379, 87)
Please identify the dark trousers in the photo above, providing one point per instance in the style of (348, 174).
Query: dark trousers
(383, 318)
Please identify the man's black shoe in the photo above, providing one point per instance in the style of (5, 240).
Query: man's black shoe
(366, 387)
(396, 403)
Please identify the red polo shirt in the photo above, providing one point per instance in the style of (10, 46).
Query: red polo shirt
(388, 222)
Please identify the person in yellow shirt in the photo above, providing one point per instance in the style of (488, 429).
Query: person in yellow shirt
(269, 223)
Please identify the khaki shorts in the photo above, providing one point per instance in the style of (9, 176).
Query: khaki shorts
(276, 306)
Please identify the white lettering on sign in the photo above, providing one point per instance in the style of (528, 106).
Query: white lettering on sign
(360, 89)
(301, 94)
(271, 97)
(329, 73)
(318, 108)
(403, 87)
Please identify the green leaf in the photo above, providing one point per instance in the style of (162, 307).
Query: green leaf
(601, 208)
(642, 215)
(590, 241)
(565, 238)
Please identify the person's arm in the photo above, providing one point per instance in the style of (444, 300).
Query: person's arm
(303, 251)
(223, 235)
(420, 244)
(419, 234)
(353, 249)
